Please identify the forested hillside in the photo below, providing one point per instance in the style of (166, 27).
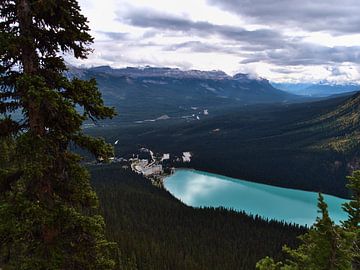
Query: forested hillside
(299, 145)
(156, 231)
(342, 126)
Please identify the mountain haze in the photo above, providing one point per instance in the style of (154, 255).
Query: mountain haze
(322, 89)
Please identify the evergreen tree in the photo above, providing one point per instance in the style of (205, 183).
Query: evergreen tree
(48, 210)
(353, 210)
(326, 246)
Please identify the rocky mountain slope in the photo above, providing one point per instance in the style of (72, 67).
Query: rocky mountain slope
(143, 93)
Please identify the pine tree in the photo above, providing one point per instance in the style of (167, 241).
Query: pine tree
(353, 210)
(326, 246)
(48, 211)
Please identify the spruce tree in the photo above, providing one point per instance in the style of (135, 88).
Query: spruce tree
(353, 222)
(48, 210)
(326, 246)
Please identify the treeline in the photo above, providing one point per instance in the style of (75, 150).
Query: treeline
(156, 231)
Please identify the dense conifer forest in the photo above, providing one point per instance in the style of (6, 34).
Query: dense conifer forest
(156, 231)
(47, 204)
(309, 146)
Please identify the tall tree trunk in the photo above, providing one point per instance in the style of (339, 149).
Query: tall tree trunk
(30, 66)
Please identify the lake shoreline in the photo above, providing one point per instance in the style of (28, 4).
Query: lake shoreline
(255, 197)
(212, 173)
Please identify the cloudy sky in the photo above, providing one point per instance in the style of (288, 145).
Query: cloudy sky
(281, 40)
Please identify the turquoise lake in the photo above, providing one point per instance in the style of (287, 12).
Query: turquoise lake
(201, 189)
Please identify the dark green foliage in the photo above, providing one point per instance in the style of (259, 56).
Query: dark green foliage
(48, 210)
(326, 246)
(156, 231)
(353, 209)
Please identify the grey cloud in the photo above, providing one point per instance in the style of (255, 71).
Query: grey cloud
(333, 16)
(195, 46)
(263, 45)
(129, 40)
(286, 70)
(146, 18)
(115, 57)
(282, 70)
(335, 71)
(201, 47)
(116, 35)
(124, 40)
(150, 34)
(259, 47)
(305, 54)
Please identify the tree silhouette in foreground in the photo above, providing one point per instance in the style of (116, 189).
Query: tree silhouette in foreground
(48, 210)
(326, 246)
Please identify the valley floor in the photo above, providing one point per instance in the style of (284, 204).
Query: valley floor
(302, 146)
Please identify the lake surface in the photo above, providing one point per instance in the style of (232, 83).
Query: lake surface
(200, 189)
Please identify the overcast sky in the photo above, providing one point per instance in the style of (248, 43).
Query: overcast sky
(281, 40)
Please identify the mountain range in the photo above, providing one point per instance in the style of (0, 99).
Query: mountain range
(147, 93)
(321, 89)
